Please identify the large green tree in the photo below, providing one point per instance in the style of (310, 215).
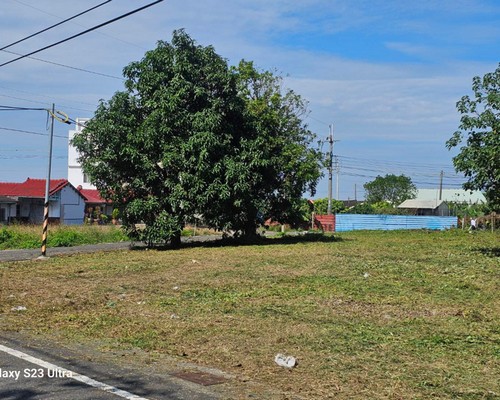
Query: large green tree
(278, 163)
(182, 139)
(479, 132)
(390, 188)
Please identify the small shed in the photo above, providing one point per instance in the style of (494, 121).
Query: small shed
(425, 207)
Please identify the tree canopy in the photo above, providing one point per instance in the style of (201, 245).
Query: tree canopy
(190, 135)
(321, 206)
(479, 156)
(391, 188)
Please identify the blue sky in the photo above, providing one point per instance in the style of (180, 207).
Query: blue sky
(386, 74)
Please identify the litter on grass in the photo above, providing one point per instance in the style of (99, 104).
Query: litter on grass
(285, 361)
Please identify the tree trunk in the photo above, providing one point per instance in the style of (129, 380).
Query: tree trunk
(176, 241)
(250, 230)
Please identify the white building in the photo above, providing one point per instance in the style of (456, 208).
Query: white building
(75, 172)
(80, 180)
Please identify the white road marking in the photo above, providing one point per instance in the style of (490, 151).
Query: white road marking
(71, 374)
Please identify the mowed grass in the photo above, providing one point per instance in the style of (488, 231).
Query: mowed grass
(368, 315)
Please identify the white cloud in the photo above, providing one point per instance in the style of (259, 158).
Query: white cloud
(370, 98)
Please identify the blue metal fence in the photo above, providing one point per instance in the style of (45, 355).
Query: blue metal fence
(354, 222)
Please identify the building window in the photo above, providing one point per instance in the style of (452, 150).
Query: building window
(86, 178)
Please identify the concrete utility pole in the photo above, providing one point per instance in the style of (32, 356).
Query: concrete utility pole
(441, 185)
(330, 170)
(337, 169)
(47, 185)
(49, 168)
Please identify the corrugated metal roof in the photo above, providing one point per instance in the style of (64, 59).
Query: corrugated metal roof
(455, 195)
(421, 204)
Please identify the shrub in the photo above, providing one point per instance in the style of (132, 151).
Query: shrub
(64, 238)
(5, 235)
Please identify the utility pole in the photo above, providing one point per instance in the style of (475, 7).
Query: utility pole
(47, 185)
(49, 168)
(330, 170)
(337, 169)
(441, 185)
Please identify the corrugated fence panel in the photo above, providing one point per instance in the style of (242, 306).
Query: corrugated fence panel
(354, 222)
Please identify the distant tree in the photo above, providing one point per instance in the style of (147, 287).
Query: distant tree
(360, 208)
(479, 157)
(386, 208)
(391, 188)
(321, 206)
(189, 135)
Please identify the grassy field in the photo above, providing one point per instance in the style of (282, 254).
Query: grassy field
(369, 315)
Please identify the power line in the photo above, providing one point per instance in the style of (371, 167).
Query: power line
(13, 108)
(389, 170)
(47, 97)
(83, 26)
(29, 156)
(30, 132)
(391, 163)
(65, 66)
(82, 33)
(42, 102)
(53, 26)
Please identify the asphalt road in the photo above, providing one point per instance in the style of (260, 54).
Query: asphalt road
(31, 254)
(34, 369)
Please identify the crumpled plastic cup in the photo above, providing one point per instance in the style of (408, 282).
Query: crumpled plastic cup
(285, 361)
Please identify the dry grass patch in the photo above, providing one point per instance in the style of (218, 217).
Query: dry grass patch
(373, 315)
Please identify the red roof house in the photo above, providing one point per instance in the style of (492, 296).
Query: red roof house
(92, 196)
(31, 188)
(66, 204)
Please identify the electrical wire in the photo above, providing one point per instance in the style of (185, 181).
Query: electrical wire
(29, 156)
(13, 108)
(82, 33)
(51, 98)
(55, 25)
(77, 123)
(83, 26)
(42, 102)
(67, 66)
(30, 132)
(56, 115)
